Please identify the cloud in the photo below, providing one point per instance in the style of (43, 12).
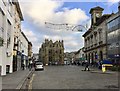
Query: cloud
(30, 35)
(111, 2)
(32, 38)
(37, 13)
(43, 11)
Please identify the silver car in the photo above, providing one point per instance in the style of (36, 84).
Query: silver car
(39, 66)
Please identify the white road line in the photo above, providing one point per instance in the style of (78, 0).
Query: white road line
(30, 84)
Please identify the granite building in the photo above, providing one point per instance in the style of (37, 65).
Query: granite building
(52, 52)
(95, 39)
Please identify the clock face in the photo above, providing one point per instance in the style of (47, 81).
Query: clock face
(97, 15)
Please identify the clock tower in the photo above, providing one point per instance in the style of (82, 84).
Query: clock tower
(96, 13)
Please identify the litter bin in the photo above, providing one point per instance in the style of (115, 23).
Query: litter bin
(103, 68)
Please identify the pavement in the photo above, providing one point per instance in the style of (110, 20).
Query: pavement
(72, 77)
(15, 80)
(96, 70)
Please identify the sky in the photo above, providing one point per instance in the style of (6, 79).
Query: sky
(74, 12)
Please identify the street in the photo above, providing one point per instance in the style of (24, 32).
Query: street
(72, 77)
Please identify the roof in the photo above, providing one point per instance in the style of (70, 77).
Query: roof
(96, 8)
(24, 36)
(87, 32)
(103, 18)
(99, 21)
(30, 43)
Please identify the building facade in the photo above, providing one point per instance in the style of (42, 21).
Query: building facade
(13, 42)
(30, 53)
(6, 36)
(69, 57)
(113, 24)
(24, 50)
(95, 39)
(52, 53)
(17, 37)
(80, 55)
(36, 56)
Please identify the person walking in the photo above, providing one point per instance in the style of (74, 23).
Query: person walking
(23, 66)
(30, 64)
(86, 66)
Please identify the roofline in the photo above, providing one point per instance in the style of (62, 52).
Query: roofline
(95, 8)
(30, 43)
(15, 2)
(24, 36)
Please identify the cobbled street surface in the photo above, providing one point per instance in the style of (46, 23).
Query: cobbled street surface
(72, 77)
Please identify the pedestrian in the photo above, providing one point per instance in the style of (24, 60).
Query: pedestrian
(100, 65)
(30, 64)
(23, 66)
(78, 63)
(86, 66)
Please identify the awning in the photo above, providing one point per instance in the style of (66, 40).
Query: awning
(106, 62)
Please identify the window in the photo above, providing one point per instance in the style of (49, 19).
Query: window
(95, 38)
(8, 33)
(5, 2)
(114, 24)
(10, 7)
(1, 23)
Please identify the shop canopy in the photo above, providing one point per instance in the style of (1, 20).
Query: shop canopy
(106, 62)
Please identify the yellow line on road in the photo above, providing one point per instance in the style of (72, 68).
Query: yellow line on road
(30, 84)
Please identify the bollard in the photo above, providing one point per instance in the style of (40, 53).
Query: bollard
(103, 68)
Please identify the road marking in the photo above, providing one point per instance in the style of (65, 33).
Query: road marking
(30, 84)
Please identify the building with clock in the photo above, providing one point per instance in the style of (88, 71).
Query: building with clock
(95, 39)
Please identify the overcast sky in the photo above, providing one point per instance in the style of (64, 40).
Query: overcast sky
(37, 12)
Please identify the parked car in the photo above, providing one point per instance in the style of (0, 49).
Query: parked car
(39, 66)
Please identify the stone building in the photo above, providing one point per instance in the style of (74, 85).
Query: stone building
(30, 53)
(95, 39)
(8, 10)
(13, 42)
(52, 53)
(18, 17)
(69, 57)
(80, 55)
(113, 39)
